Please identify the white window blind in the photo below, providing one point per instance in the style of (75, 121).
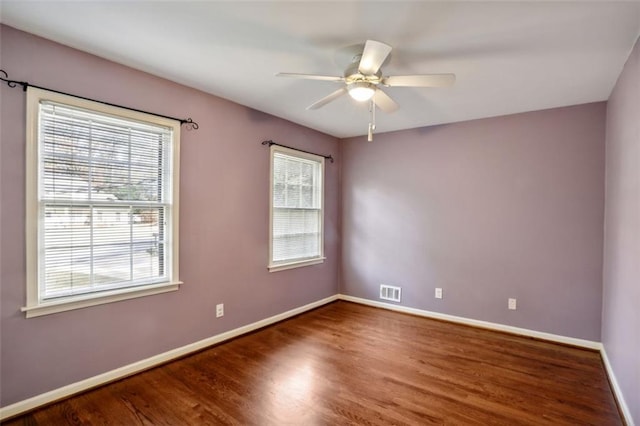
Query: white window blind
(297, 211)
(105, 202)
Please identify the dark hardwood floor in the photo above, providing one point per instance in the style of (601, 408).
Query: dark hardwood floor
(345, 363)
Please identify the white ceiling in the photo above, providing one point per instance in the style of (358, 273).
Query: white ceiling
(508, 57)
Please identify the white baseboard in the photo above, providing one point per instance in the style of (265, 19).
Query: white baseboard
(476, 323)
(626, 413)
(145, 364)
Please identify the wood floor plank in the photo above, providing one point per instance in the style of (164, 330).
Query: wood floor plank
(345, 363)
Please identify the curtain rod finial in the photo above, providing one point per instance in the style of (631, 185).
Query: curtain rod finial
(190, 124)
(13, 83)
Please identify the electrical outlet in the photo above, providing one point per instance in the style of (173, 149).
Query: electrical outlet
(438, 293)
(219, 310)
(512, 304)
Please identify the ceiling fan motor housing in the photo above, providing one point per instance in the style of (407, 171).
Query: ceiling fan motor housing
(353, 75)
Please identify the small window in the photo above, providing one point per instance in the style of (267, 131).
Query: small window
(296, 237)
(89, 165)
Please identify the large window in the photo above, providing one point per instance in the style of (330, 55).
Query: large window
(102, 203)
(296, 237)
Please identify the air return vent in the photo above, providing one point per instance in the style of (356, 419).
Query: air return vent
(388, 292)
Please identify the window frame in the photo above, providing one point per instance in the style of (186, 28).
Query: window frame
(35, 306)
(284, 265)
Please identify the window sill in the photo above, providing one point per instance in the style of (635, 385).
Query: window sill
(83, 301)
(297, 264)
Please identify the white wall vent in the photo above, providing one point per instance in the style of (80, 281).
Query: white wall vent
(389, 292)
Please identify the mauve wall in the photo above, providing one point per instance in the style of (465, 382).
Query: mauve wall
(223, 226)
(621, 300)
(487, 209)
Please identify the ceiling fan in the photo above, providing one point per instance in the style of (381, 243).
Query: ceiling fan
(362, 79)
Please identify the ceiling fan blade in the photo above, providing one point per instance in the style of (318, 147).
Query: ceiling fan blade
(332, 96)
(310, 76)
(384, 102)
(373, 56)
(426, 80)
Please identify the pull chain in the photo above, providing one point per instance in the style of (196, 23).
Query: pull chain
(372, 123)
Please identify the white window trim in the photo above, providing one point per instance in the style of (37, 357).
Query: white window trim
(298, 264)
(274, 267)
(86, 300)
(36, 307)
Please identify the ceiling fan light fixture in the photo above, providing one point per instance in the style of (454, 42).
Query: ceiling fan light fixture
(361, 91)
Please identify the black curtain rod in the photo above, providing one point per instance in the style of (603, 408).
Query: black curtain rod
(270, 142)
(190, 124)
